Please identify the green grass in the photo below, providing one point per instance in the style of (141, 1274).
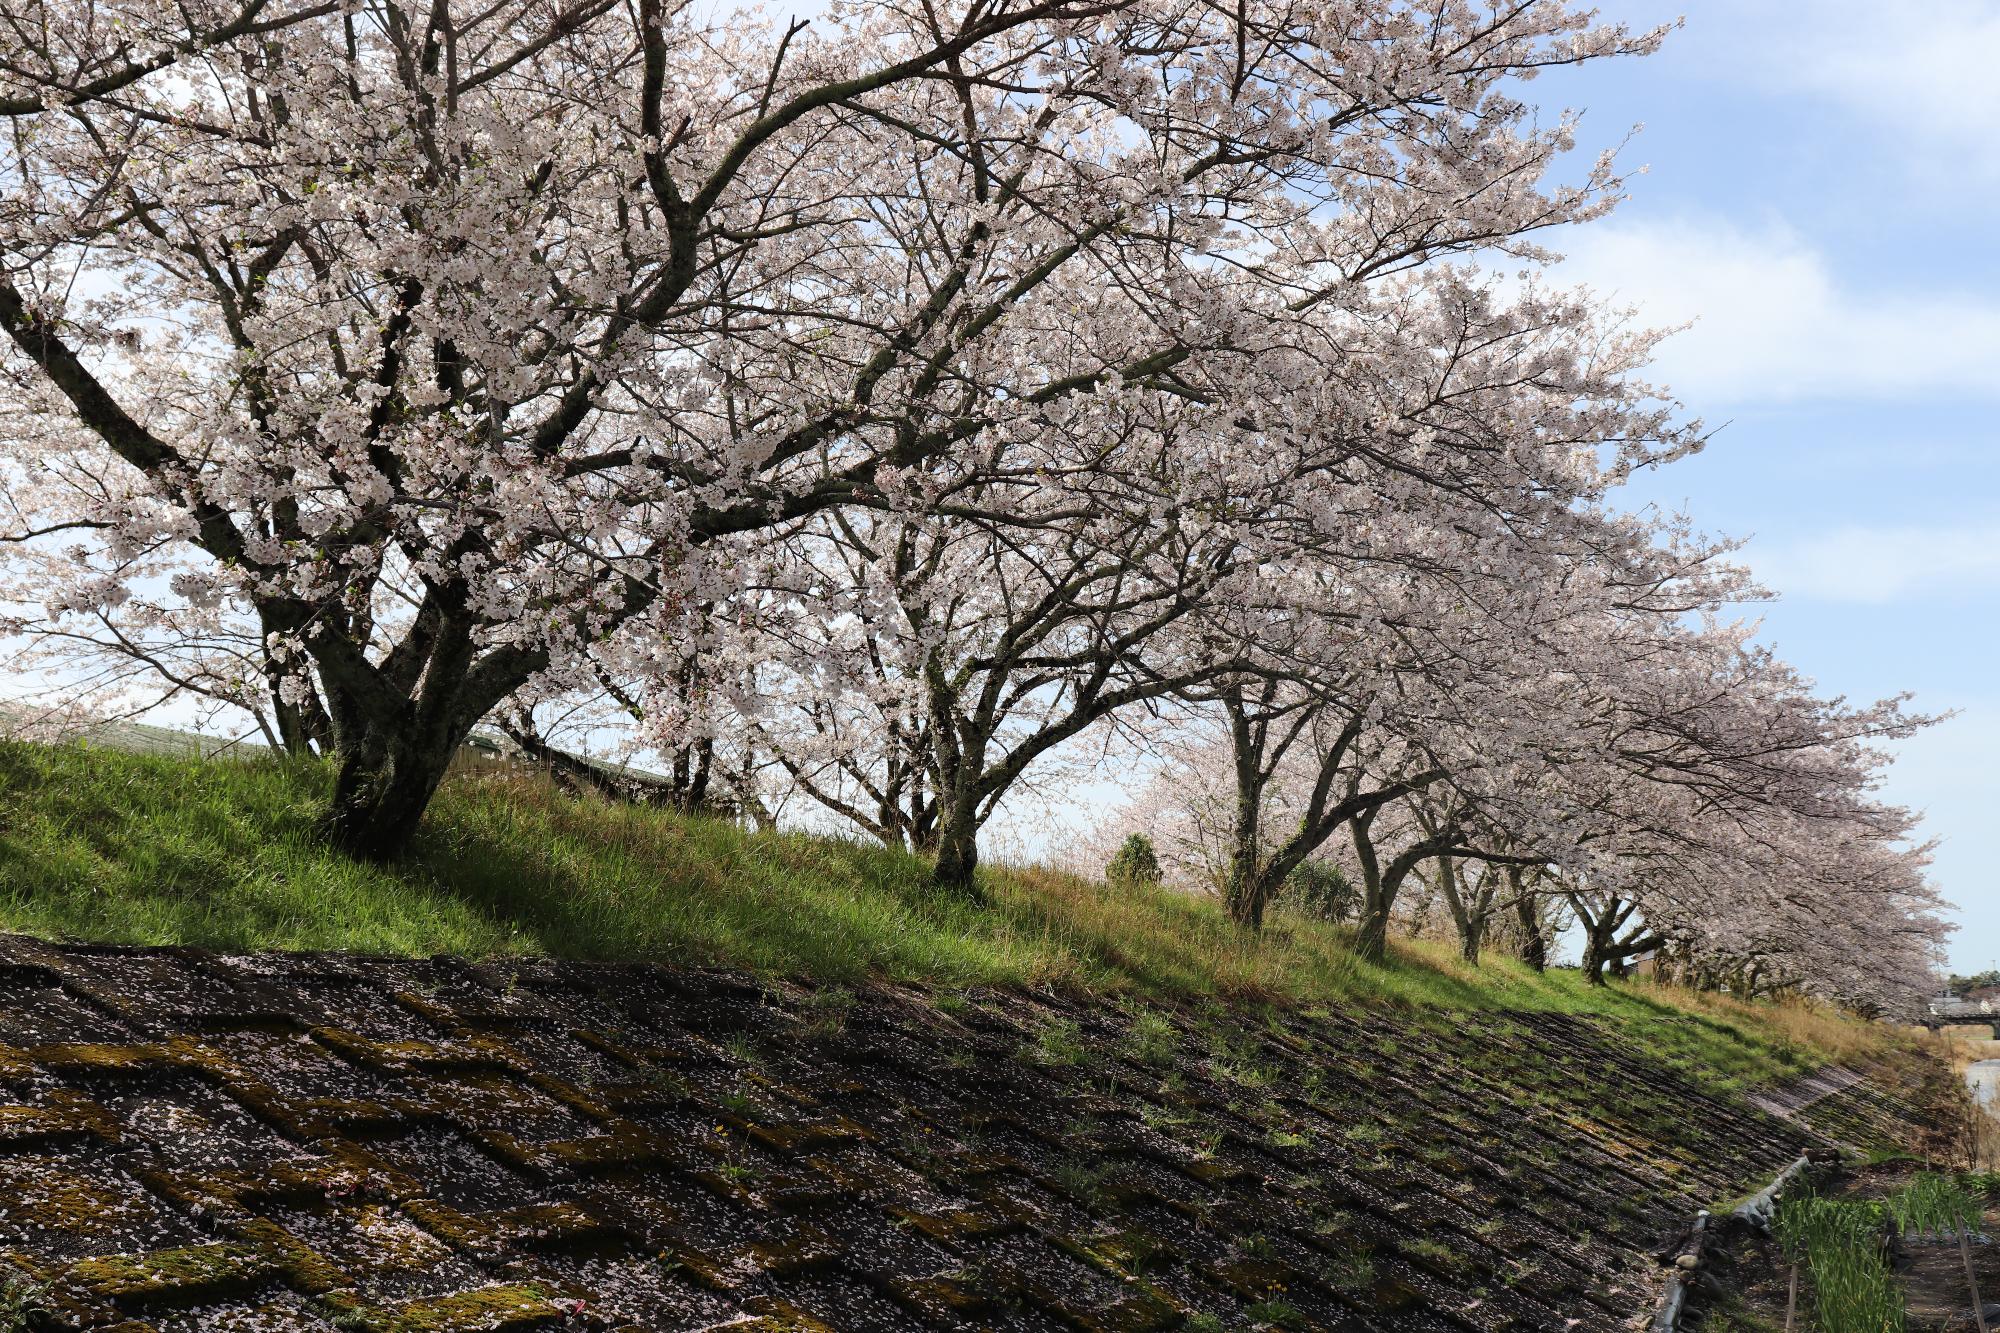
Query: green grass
(111, 846)
(1841, 1248)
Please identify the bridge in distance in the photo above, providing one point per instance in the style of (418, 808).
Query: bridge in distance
(1953, 1010)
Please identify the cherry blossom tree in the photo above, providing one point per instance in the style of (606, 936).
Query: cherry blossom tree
(1601, 735)
(991, 623)
(65, 55)
(425, 349)
(1436, 690)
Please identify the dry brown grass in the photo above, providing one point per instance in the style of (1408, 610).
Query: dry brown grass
(1961, 1047)
(1840, 1037)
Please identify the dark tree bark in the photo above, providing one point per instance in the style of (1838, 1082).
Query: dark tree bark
(381, 789)
(1267, 721)
(1249, 889)
(1534, 948)
(958, 862)
(1471, 911)
(1381, 884)
(1603, 947)
(1116, 610)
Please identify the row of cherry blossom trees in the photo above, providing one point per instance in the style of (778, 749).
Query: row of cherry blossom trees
(887, 412)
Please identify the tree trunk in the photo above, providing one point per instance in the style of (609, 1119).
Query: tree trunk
(956, 838)
(958, 861)
(1371, 935)
(383, 784)
(1246, 895)
(1469, 910)
(303, 728)
(303, 725)
(576, 774)
(958, 762)
(1371, 939)
(1248, 889)
(1595, 941)
(1534, 949)
(692, 765)
(1601, 945)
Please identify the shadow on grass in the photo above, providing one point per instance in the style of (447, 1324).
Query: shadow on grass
(578, 878)
(104, 845)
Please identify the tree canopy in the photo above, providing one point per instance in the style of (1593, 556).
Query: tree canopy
(881, 411)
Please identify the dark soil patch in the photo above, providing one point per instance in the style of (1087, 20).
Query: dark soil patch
(1743, 1285)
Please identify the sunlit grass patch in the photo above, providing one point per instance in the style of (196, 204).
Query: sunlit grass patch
(147, 849)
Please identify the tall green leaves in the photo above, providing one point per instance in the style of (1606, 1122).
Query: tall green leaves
(1935, 1205)
(1841, 1247)
(1942, 1206)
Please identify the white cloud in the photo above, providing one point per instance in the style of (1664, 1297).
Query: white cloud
(1771, 321)
(1883, 564)
(1915, 75)
(1922, 73)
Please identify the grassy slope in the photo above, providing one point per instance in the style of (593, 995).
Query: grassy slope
(101, 845)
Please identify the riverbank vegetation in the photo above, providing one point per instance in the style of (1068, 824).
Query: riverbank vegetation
(107, 846)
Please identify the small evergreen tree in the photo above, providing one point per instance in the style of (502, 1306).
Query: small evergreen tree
(1318, 889)
(1134, 864)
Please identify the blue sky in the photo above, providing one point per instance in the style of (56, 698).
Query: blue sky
(1820, 196)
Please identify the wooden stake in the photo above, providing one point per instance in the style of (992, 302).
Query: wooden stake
(1965, 1253)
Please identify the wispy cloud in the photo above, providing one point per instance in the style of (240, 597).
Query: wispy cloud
(1772, 321)
(1921, 74)
(1884, 564)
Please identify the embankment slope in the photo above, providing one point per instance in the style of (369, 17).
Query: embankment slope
(299, 1141)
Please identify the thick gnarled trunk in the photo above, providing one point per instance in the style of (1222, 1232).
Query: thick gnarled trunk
(957, 865)
(1534, 947)
(1603, 947)
(398, 725)
(956, 839)
(383, 784)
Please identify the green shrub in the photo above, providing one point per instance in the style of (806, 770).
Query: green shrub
(1948, 1208)
(1135, 863)
(1319, 890)
(1841, 1248)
